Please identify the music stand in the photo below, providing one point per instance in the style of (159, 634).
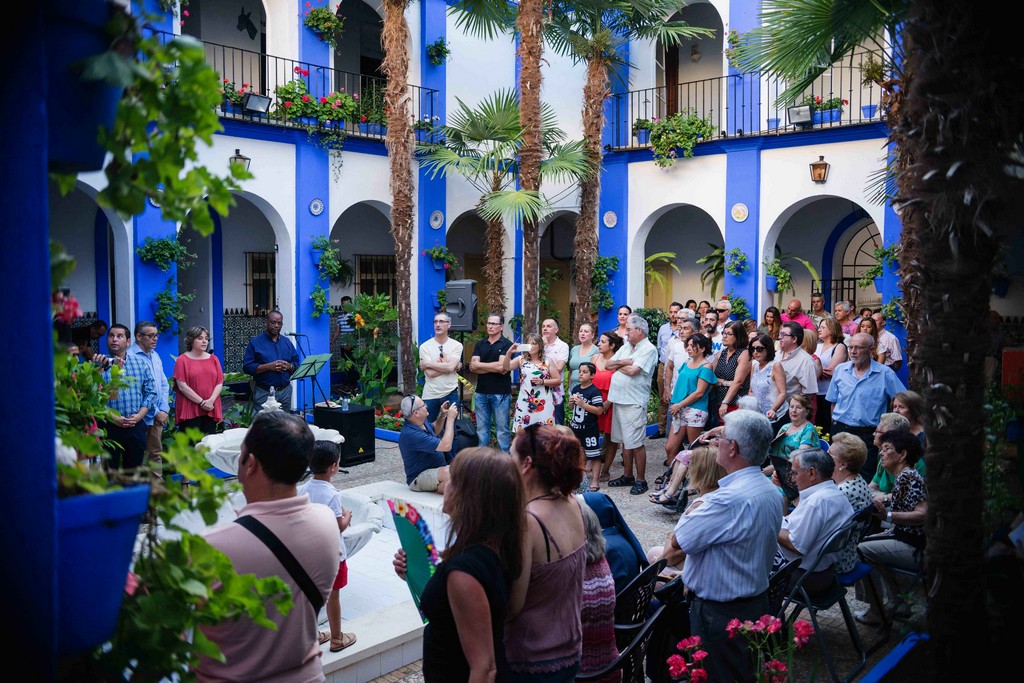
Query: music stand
(310, 367)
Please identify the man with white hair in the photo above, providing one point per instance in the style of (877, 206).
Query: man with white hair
(887, 343)
(724, 310)
(843, 311)
(728, 543)
(425, 455)
(633, 365)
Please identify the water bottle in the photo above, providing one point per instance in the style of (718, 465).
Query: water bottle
(344, 404)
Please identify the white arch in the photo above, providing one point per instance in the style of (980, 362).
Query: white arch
(285, 260)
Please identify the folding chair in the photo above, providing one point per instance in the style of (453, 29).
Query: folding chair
(862, 572)
(822, 599)
(630, 660)
(632, 601)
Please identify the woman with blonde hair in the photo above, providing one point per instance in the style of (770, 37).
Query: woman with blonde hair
(704, 472)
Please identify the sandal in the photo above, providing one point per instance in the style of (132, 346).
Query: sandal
(324, 636)
(663, 498)
(339, 644)
(595, 489)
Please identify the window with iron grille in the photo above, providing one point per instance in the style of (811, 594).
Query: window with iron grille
(375, 274)
(260, 280)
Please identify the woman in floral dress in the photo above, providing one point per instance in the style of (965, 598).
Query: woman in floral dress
(535, 404)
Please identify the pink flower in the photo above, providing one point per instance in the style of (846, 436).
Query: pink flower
(698, 676)
(181, 23)
(698, 656)
(802, 631)
(689, 643)
(356, 96)
(184, 12)
(309, 4)
(131, 583)
(447, 266)
(676, 666)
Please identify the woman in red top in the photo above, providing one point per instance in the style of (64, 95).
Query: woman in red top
(198, 379)
(607, 345)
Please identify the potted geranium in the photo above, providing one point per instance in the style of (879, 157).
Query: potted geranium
(828, 110)
(443, 259)
(642, 130)
(233, 96)
(681, 131)
(373, 115)
(326, 24)
(294, 103)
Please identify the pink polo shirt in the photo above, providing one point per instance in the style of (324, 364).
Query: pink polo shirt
(802, 320)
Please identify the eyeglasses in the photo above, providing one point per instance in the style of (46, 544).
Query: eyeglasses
(721, 310)
(494, 323)
(151, 335)
(757, 348)
(784, 334)
(859, 348)
(440, 320)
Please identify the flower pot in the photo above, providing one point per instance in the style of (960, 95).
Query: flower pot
(878, 284)
(867, 111)
(773, 123)
(95, 538)
(422, 135)
(438, 263)
(368, 128)
(643, 136)
(771, 283)
(435, 299)
(76, 33)
(826, 116)
(231, 108)
(317, 255)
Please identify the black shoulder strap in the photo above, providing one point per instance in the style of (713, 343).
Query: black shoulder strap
(285, 557)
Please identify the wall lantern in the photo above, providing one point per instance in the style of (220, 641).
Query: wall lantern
(240, 159)
(819, 170)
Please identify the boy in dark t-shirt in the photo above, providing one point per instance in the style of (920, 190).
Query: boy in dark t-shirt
(587, 404)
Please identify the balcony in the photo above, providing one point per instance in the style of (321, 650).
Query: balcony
(264, 73)
(744, 105)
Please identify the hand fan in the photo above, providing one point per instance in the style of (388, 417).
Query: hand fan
(420, 552)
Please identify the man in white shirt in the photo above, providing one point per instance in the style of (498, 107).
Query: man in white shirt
(634, 365)
(713, 331)
(556, 354)
(440, 361)
(666, 332)
(889, 343)
(724, 310)
(822, 509)
(677, 354)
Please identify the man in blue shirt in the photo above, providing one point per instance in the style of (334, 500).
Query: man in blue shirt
(271, 359)
(424, 455)
(146, 335)
(128, 427)
(860, 392)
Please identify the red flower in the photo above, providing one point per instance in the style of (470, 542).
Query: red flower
(732, 627)
(287, 104)
(698, 676)
(363, 118)
(245, 85)
(306, 98)
(323, 100)
(297, 70)
(677, 666)
(447, 266)
(802, 631)
(698, 656)
(226, 80)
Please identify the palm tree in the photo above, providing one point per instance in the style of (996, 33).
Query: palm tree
(957, 132)
(482, 145)
(395, 38)
(596, 32)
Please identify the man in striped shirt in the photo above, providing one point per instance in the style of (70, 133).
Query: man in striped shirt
(128, 427)
(728, 542)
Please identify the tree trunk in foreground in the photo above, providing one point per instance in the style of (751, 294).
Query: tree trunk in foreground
(530, 24)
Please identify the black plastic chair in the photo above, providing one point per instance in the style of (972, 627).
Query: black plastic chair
(778, 587)
(820, 599)
(631, 659)
(862, 572)
(633, 601)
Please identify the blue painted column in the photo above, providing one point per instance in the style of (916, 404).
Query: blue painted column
(431, 194)
(312, 50)
(742, 193)
(217, 286)
(892, 227)
(28, 473)
(741, 88)
(101, 257)
(150, 280)
(311, 182)
(614, 241)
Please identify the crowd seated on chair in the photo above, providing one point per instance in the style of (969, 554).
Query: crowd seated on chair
(901, 546)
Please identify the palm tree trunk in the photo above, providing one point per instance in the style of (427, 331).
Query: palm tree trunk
(963, 112)
(395, 38)
(530, 24)
(494, 270)
(585, 243)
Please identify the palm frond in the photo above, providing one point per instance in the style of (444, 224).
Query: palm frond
(513, 206)
(484, 19)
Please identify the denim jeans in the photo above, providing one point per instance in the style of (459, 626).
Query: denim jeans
(496, 407)
(434, 404)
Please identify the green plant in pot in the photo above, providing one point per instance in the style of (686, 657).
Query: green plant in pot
(331, 266)
(438, 51)
(679, 132)
(168, 306)
(783, 278)
(885, 257)
(293, 98)
(164, 253)
(327, 24)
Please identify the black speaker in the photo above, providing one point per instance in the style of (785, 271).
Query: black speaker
(462, 305)
(356, 425)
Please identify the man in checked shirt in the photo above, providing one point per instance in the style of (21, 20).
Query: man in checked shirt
(128, 427)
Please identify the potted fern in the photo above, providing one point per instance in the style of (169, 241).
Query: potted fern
(777, 277)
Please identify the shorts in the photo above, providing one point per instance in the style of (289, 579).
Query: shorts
(426, 481)
(629, 425)
(591, 442)
(341, 580)
(689, 417)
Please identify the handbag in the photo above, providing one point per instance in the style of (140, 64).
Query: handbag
(285, 557)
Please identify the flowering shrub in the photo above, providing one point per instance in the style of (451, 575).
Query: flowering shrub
(232, 94)
(678, 666)
(427, 123)
(818, 104)
(767, 646)
(441, 253)
(293, 98)
(388, 418)
(323, 21)
(373, 345)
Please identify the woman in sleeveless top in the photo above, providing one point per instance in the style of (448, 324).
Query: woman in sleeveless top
(732, 368)
(544, 635)
(831, 352)
(768, 381)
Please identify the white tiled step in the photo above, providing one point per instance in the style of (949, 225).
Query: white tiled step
(388, 639)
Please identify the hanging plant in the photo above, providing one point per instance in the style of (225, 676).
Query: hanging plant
(784, 278)
(326, 23)
(168, 306)
(736, 262)
(600, 283)
(681, 131)
(885, 257)
(164, 253)
(321, 301)
(332, 266)
(438, 51)
(739, 306)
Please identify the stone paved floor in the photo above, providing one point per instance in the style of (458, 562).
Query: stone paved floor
(650, 523)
